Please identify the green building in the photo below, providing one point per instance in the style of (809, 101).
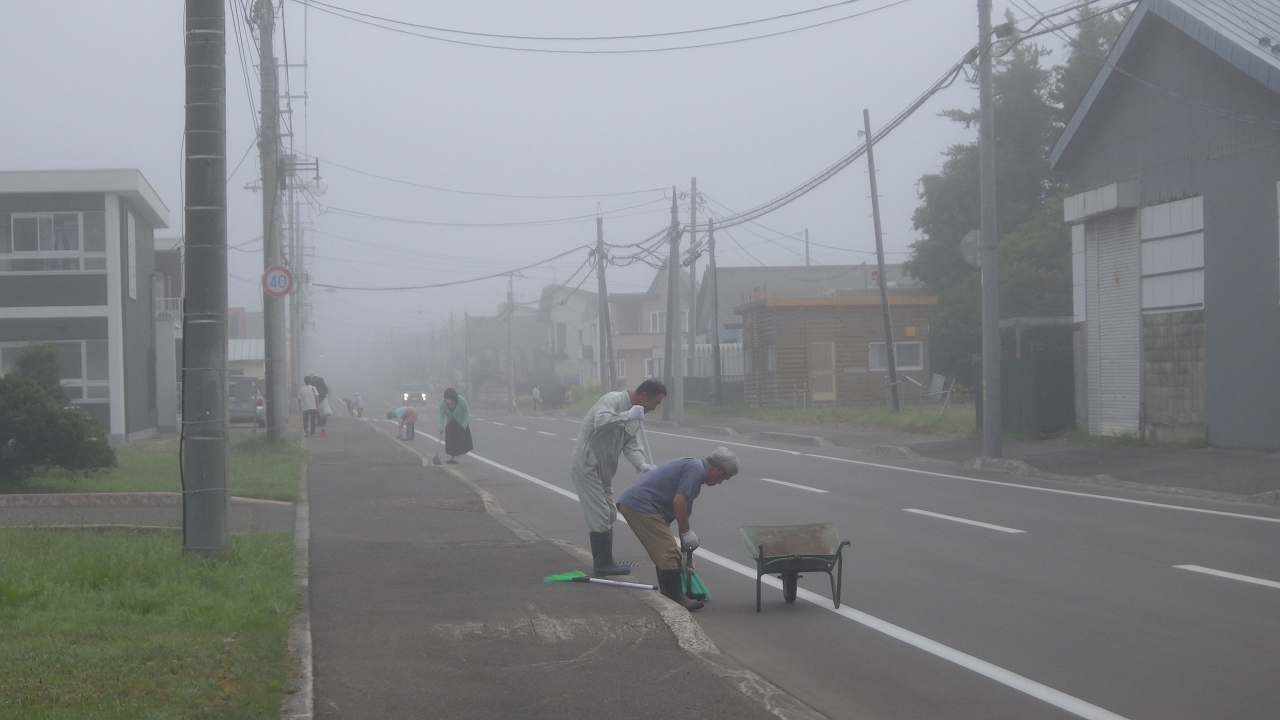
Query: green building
(77, 269)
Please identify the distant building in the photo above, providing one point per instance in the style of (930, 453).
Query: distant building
(570, 318)
(1174, 156)
(831, 349)
(640, 327)
(76, 269)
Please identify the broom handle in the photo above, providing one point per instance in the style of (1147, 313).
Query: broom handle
(615, 583)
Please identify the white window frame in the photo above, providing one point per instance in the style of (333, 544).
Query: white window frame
(657, 322)
(874, 351)
(81, 385)
(653, 367)
(79, 255)
(622, 368)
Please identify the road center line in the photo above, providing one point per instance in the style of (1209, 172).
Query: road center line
(1109, 498)
(495, 422)
(1230, 575)
(1057, 698)
(544, 432)
(793, 485)
(517, 427)
(953, 518)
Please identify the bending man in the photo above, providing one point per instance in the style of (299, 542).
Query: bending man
(666, 494)
(609, 429)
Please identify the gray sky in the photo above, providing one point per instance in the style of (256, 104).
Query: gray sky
(94, 84)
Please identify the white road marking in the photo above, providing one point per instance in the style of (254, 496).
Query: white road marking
(495, 422)
(989, 526)
(1230, 575)
(799, 487)
(1145, 503)
(544, 432)
(517, 427)
(1057, 698)
(480, 419)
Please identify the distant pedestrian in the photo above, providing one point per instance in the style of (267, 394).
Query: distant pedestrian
(351, 407)
(408, 417)
(307, 402)
(359, 403)
(322, 392)
(537, 401)
(455, 425)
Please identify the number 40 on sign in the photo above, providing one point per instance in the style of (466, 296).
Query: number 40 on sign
(277, 281)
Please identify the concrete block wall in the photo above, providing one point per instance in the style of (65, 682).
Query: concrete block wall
(1173, 358)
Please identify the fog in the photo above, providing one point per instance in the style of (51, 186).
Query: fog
(101, 85)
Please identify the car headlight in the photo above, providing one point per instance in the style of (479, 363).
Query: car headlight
(424, 397)
(406, 396)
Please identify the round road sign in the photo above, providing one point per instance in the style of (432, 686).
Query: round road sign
(277, 281)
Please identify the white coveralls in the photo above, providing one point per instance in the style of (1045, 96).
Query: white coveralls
(606, 433)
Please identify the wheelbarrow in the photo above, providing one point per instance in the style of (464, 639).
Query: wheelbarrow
(788, 550)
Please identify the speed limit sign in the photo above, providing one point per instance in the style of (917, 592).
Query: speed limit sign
(277, 281)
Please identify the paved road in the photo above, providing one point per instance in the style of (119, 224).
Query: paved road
(1057, 604)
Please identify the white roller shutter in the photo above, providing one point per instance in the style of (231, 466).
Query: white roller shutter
(1113, 301)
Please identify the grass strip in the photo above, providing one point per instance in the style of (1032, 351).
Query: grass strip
(122, 624)
(258, 470)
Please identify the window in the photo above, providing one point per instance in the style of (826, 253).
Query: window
(906, 356)
(622, 369)
(653, 367)
(657, 322)
(55, 242)
(133, 257)
(82, 368)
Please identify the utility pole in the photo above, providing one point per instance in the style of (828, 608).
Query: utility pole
(295, 298)
(884, 292)
(511, 358)
(992, 425)
(716, 370)
(806, 247)
(606, 356)
(673, 287)
(693, 288)
(677, 319)
(205, 499)
(273, 309)
(466, 348)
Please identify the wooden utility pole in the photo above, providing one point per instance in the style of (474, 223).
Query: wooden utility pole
(806, 247)
(884, 292)
(673, 288)
(605, 361)
(992, 425)
(511, 358)
(205, 499)
(273, 308)
(716, 369)
(693, 284)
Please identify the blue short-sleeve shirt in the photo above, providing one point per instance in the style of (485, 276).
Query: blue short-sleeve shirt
(654, 492)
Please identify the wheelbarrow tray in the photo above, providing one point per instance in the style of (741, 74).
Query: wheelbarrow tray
(788, 550)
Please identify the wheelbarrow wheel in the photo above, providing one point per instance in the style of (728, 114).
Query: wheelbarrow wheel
(790, 581)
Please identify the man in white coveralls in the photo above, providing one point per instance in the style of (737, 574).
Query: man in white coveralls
(610, 428)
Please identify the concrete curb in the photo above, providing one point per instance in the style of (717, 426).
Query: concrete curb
(299, 704)
(1023, 469)
(137, 499)
(688, 633)
(718, 430)
(795, 439)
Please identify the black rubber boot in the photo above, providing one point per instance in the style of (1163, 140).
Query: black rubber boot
(669, 584)
(602, 556)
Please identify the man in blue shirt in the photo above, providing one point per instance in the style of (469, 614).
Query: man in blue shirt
(665, 494)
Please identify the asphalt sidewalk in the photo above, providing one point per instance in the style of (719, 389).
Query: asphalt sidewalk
(424, 604)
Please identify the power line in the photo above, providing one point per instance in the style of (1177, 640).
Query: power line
(459, 282)
(525, 223)
(491, 194)
(595, 38)
(559, 51)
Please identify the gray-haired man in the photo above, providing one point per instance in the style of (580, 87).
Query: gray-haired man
(665, 494)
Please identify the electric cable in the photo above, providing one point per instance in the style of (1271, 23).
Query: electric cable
(523, 223)
(458, 282)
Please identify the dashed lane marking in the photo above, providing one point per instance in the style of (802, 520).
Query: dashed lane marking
(953, 518)
(793, 485)
(1230, 575)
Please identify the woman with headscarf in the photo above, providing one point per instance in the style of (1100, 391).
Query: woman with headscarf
(455, 425)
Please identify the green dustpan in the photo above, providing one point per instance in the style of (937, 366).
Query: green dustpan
(693, 586)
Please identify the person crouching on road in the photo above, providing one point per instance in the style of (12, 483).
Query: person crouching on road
(611, 427)
(407, 417)
(664, 494)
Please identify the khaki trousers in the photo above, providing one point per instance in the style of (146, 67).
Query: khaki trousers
(655, 535)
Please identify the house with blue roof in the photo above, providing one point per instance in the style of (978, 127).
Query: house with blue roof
(1174, 159)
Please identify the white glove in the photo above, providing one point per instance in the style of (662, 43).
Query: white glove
(689, 541)
(636, 412)
(646, 467)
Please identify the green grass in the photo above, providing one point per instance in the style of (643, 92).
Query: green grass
(121, 624)
(258, 470)
(959, 417)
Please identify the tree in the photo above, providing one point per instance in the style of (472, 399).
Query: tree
(38, 431)
(1035, 244)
